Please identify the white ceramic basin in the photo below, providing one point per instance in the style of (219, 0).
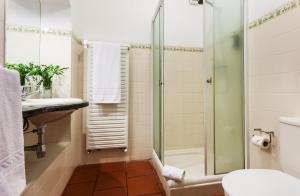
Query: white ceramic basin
(47, 117)
(49, 102)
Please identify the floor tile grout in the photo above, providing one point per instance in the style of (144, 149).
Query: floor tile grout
(97, 168)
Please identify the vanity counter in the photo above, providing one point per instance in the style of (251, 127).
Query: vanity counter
(35, 107)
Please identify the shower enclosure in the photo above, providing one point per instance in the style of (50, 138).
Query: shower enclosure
(198, 103)
(157, 54)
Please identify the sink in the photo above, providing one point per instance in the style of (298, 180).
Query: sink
(51, 102)
(43, 111)
(45, 118)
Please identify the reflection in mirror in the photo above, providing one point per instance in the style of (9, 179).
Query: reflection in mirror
(39, 34)
(56, 42)
(22, 31)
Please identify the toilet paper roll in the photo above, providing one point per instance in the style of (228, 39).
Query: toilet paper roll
(261, 141)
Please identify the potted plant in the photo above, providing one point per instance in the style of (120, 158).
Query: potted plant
(28, 86)
(46, 74)
(23, 69)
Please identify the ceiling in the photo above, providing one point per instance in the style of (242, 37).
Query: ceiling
(58, 2)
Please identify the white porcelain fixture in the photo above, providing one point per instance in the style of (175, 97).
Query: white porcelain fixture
(260, 182)
(45, 118)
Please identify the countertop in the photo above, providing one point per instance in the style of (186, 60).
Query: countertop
(32, 110)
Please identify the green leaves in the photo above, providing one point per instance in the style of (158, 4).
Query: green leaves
(44, 73)
(23, 69)
(47, 72)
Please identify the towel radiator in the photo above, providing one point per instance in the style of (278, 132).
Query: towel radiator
(107, 124)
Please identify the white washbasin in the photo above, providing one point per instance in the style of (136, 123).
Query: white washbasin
(49, 102)
(50, 115)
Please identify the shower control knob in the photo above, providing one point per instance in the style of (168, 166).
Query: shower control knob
(209, 80)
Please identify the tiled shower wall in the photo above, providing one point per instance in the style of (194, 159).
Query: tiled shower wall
(183, 100)
(183, 105)
(274, 74)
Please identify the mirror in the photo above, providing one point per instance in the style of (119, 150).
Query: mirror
(55, 45)
(39, 32)
(23, 19)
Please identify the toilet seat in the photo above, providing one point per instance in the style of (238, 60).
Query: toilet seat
(260, 182)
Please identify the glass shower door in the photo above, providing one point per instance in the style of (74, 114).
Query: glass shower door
(229, 99)
(158, 82)
(224, 58)
(209, 88)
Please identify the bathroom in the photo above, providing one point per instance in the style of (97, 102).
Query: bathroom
(152, 97)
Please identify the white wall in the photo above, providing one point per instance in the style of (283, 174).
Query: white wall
(77, 18)
(183, 23)
(23, 13)
(274, 85)
(55, 15)
(131, 21)
(258, 8)
(20, 12)
(114, 20)
(17, 50)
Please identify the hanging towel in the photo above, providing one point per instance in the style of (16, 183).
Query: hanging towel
(12, 164)
(106, 73)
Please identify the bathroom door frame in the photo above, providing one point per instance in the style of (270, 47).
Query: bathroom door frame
(246, 87)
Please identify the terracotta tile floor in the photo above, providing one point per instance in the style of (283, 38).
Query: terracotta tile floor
(115, 179)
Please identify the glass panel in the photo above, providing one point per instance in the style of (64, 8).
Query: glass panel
(183, 93)
(209, 87)
(157, 79)
(228, 78)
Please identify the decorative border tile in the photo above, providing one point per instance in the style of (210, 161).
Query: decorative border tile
(275, 13)
(148, 46)
(140, 46)
(37, 30)
(183, 49)
(168, 48)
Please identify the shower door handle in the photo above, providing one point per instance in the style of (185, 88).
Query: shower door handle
(209, 80)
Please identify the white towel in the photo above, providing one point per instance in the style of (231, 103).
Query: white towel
(106, 73)
(173, 173)
(12, 164)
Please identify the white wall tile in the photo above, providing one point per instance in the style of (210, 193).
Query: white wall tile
(140, 113)
(274, 76)
(183, 100)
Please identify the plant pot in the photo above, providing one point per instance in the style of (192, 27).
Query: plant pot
(47, 92)
(47, 88)
(29, 90)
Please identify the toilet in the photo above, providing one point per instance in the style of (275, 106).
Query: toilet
(263, 182)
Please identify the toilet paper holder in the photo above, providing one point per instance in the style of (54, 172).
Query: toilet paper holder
(270, 133)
